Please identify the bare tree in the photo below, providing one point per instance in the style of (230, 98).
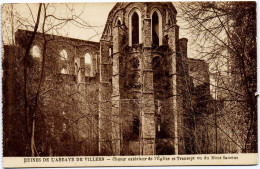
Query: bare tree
(37, 89)
(225, 37)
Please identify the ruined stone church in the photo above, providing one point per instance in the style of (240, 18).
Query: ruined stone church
(144, 71)
(143, 81)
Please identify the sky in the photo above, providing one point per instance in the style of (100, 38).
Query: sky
(94, 14)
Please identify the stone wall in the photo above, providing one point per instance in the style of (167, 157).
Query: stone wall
(146, 85)
(71, 94)
(139, 98)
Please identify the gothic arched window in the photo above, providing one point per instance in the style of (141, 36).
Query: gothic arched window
(135, 32)
(119, 23)
(36, 52)
(63, 55)
(64, 70)
(88, 59)
(88, 64)
(110, 52)
(135, 29)
(156, 27)
(76, 69)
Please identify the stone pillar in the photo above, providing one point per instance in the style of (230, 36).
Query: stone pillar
(94, 65)
(147, 97)
(175, 99)
(81, 83)
(183, 47)
(118, 35)
(105, 144)
(183, 81)
(81, 78)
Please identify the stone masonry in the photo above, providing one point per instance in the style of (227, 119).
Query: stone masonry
(140, 76)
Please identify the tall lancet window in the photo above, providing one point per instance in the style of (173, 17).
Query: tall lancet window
(135, 29)
(63, 55)
(36, 52)
(88, 64)
(119, 23)
(155, 29)
(157, 33)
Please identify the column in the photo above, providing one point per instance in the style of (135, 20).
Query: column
(175, 99)
(118, 35)
(105, 147)
(147, 97)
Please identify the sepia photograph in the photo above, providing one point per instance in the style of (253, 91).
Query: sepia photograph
(118, 82)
